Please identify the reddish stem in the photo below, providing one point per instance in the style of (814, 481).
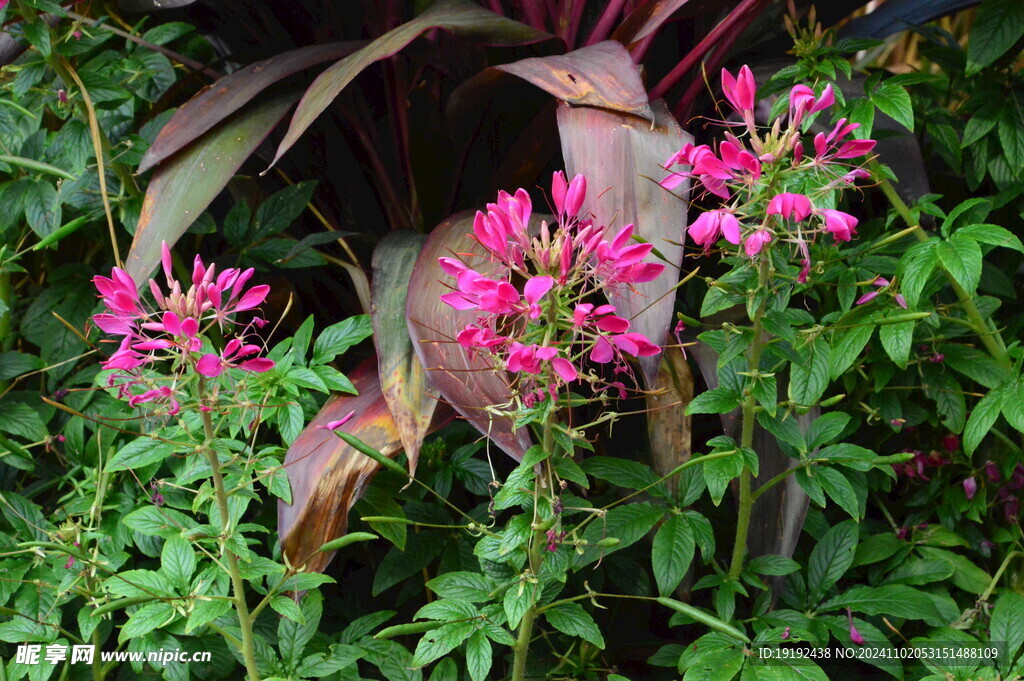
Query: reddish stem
(695, 55)
(639, 49)
(496, 7)
(603, 27)
(533, 14)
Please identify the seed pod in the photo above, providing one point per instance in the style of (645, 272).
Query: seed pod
(404, 629)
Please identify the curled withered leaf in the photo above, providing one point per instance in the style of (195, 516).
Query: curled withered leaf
(601, 75)
(468, 382)
(403, 380)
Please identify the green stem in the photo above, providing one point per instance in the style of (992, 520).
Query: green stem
(986, 331)
(237, 584)
(746, 501)
(522, 649)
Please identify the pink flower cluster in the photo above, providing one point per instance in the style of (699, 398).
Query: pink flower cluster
(542, 329)
(172, 330)
(755, 213)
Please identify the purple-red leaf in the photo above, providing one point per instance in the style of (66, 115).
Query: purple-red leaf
(622, 157)
(403, 380)
(327, 476)
(218, 101)
(469, 384)
(645, 20)
(183, 187)
(461, 17)
(602, 75)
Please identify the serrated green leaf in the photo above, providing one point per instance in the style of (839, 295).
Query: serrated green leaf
(997, 26)
(839, 489)
(478, 656)
(572, 619)
(672, 553)
(981, 419)
(809, 378)
(992, 234)
(961, 257)
(441, 641)
(917, 265)
(830, 559)
(719, 400)
(468, 586)
(894, 101)
(140, 452)
(1008, 624)
(178, 560)
(897, 339)
(146, 619)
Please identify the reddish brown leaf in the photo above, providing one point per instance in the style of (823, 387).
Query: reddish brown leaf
(458, 16)
(645, 20)
(183, 187)
(468, 383)
(602, 75)
(403, 380)
(668, 426)
(218, 101)
(622, 157)
(327, 476)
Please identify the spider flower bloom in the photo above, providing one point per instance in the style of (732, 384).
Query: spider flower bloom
(790, 206)
(706, 229)
(568, 198)
(757, 241)
(211, 365)
(527, 359)
(802, 101)
(842, 226)
(739, 90)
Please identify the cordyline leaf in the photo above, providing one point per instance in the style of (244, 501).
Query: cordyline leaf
(469, 383)
(622, 158)
(403, 380)
(457, 16)
(645, 20)
(218, 101)
(668, 426)
(601, 75)
(183, 187)
(328, 476)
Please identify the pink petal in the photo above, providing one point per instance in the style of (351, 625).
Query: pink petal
(258, 365)
(602, 352)
(209, 365)
(253, 297)
(564, 368)
(536, 287)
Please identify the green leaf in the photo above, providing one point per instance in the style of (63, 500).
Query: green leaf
(809, 378)
(178, 560)
(446, 610)
(773, 565)
(846, 348)
(518, 599)
(627, 523)
(138, 583)
(672, 553)
(1008, 624)
(1013, 405)
(287, 608)
(961, 257)
(766, 392)
(338, 338)
(948, 396)
(282, 208)
(894, 101)
(478, 656)
(719, 400)
(974, 364)
(319, 664)
(206, 611)
(830, 559)
(445, 671)
(620, 472)
(967, 212)
(918, 571)
(826, 428)
(917, 265)
(982, 418)
(140, 452)
(1011, 137)
(839, 489)
(293, 636)
(998, 25)
(572, 619)
(896, 600)
(897, 339)
(718, 473)
(441, 641)
(467, 586)
(156, 521)
(146, 619)
(992, 234)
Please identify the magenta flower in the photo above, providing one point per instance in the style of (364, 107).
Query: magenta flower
(756, 241)
(790, 206)
(162, 395)
(119, 293)
(211, 365)
(739, 90)
(474, 336)
(633, 343)
(522, 358)
(569, 198)
(970, 487)
(840, 225)
(735, 157)
(855, 635)
(478, 291)
(620, 261)
(802, 102)
(534, 290)
(708, 226)
(992, 472)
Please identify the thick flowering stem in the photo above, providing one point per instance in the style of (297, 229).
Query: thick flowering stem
(746, 500)
(985, 329)
(237, 584)
(522, 649)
